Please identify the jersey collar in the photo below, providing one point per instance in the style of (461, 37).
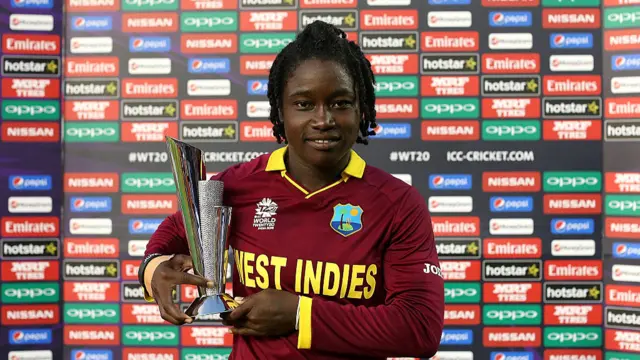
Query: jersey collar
(355, 168)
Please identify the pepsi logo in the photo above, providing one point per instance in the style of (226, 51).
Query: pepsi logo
(80, 22)
(620, 61)
(621, 249)
(559, 40)
(18, 336)
(378, 129)
(500, 356)
(137, 225)
(138, 43)
(79, 203)
(498, 18)
(80, 355)
(560, 226)
(438, 181)
(255, 86)
(196, 64)
(499, 203)
(18, 181)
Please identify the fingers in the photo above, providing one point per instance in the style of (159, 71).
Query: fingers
(241, 310)
(245, 332)
(168, 310)
(183, 262)
(186, 278)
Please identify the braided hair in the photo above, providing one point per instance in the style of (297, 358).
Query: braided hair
(323, 41)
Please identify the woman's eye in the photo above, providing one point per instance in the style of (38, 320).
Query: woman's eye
(302, 104)
(343, 104)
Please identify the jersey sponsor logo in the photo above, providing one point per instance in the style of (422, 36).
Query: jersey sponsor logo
(397, 41)
(449, 86)
(91, 291)
(205, 336)
(625, 250)
(572, 107)
(150, 353)
(505, 63)
(512, 315)
(31, 132)
(624, 318)
(572, 226)
(572, 181)
(44, 314)
(450, 204)
(142, 314)
(208, 4)
(92, 66)
(342, 19)
(508, 270)
(458, 248)
(30, 22)
(267, 209)
(582, 292)
(625, 62)
(149, 109)
(616, 40)
(512, 292)
(269, 4)
(511, 337)
(512, 108)
(621, 130)
(30, 204)
(91, 313)
(149, 204)
(392, 131)
(571, 85)
(511, 226)
(268, 21)
(510, 85)
(90, 248)
(24, 44)
(30, 271)
(433, 41)
(219, 21)
(93, 226)
(92, 132)
(571, 40)
(143, 226)
(256, 131)
(449, 63)
(449, 108)
(572, 63)
(29, 182)
(91, 23)
(511, 181)
(208, 43)
(511, 355)
(150, 22)
(31, 88)
(30, 249)
(130, 269)
(449, 19)
(626, 273)
(149, 5)
(32, 4)
(510, 3)
(149, 44)
(622, 340)
(256, 64)
(461, 292)
(28, 66)
(510, 41)
(396, 108)
(29, 226)
(573, 270)
(623, 295)
(91, 354)
(450, 130)
(622, 107)
(209, 65)
(564, 337)
(456, 226)
(572, 130)
(92, 5)
(456, 315)
(510, 248)
(156, 66)
(92, 88)
(511, 204)
(625, 85)
(91, 182)
(99, 335)
(571, 18)
(572, 204)
(149, 88)
(510, 19)
(622, 182)
(393, 86)
(91, 45)
(389, 19)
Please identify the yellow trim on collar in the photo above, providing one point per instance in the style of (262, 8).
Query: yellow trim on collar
(355, 168)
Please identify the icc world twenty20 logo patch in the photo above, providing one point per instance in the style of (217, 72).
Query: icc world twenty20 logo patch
(347, 219)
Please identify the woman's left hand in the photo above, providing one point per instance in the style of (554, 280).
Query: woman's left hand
(268, 313)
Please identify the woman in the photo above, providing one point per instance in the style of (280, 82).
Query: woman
(335, 259)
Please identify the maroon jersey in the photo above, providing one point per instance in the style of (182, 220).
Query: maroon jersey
(361, 252)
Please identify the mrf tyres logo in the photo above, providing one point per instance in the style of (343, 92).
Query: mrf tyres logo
(36, 249)
(446, 64)
(92, 88)
(22, 65)
(149, 109)
(509, 270)
(582, 292)
(510, 85)
(206, 131)
(393, 42)
(587, 107)
(462, 248)
(94, 269)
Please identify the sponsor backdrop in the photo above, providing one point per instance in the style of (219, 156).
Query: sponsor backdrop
(500, 130)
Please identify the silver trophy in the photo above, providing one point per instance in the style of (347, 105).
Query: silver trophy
(207, 223)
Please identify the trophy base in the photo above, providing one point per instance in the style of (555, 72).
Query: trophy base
(208, 305)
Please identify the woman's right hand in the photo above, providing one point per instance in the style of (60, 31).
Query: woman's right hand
(165, 277)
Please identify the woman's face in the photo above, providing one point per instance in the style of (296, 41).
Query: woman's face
(320, 112)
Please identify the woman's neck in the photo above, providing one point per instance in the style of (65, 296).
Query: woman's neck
(313, 178)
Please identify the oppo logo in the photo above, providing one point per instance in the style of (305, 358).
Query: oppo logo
(266, 43)
(208, 22)
(149, 182)
(450, 108)
(29, 293)
(624, 17)
(206, 357)
(90, 132)
(30, 110)
(512, 314)
(455, 293)
(572, 337)
(150, 335)
(624, 205)
(392, 86)
(149, 2)
(574, 181)
(91, 313)
(511, 130)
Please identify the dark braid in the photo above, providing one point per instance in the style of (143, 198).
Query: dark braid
(323, 41)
